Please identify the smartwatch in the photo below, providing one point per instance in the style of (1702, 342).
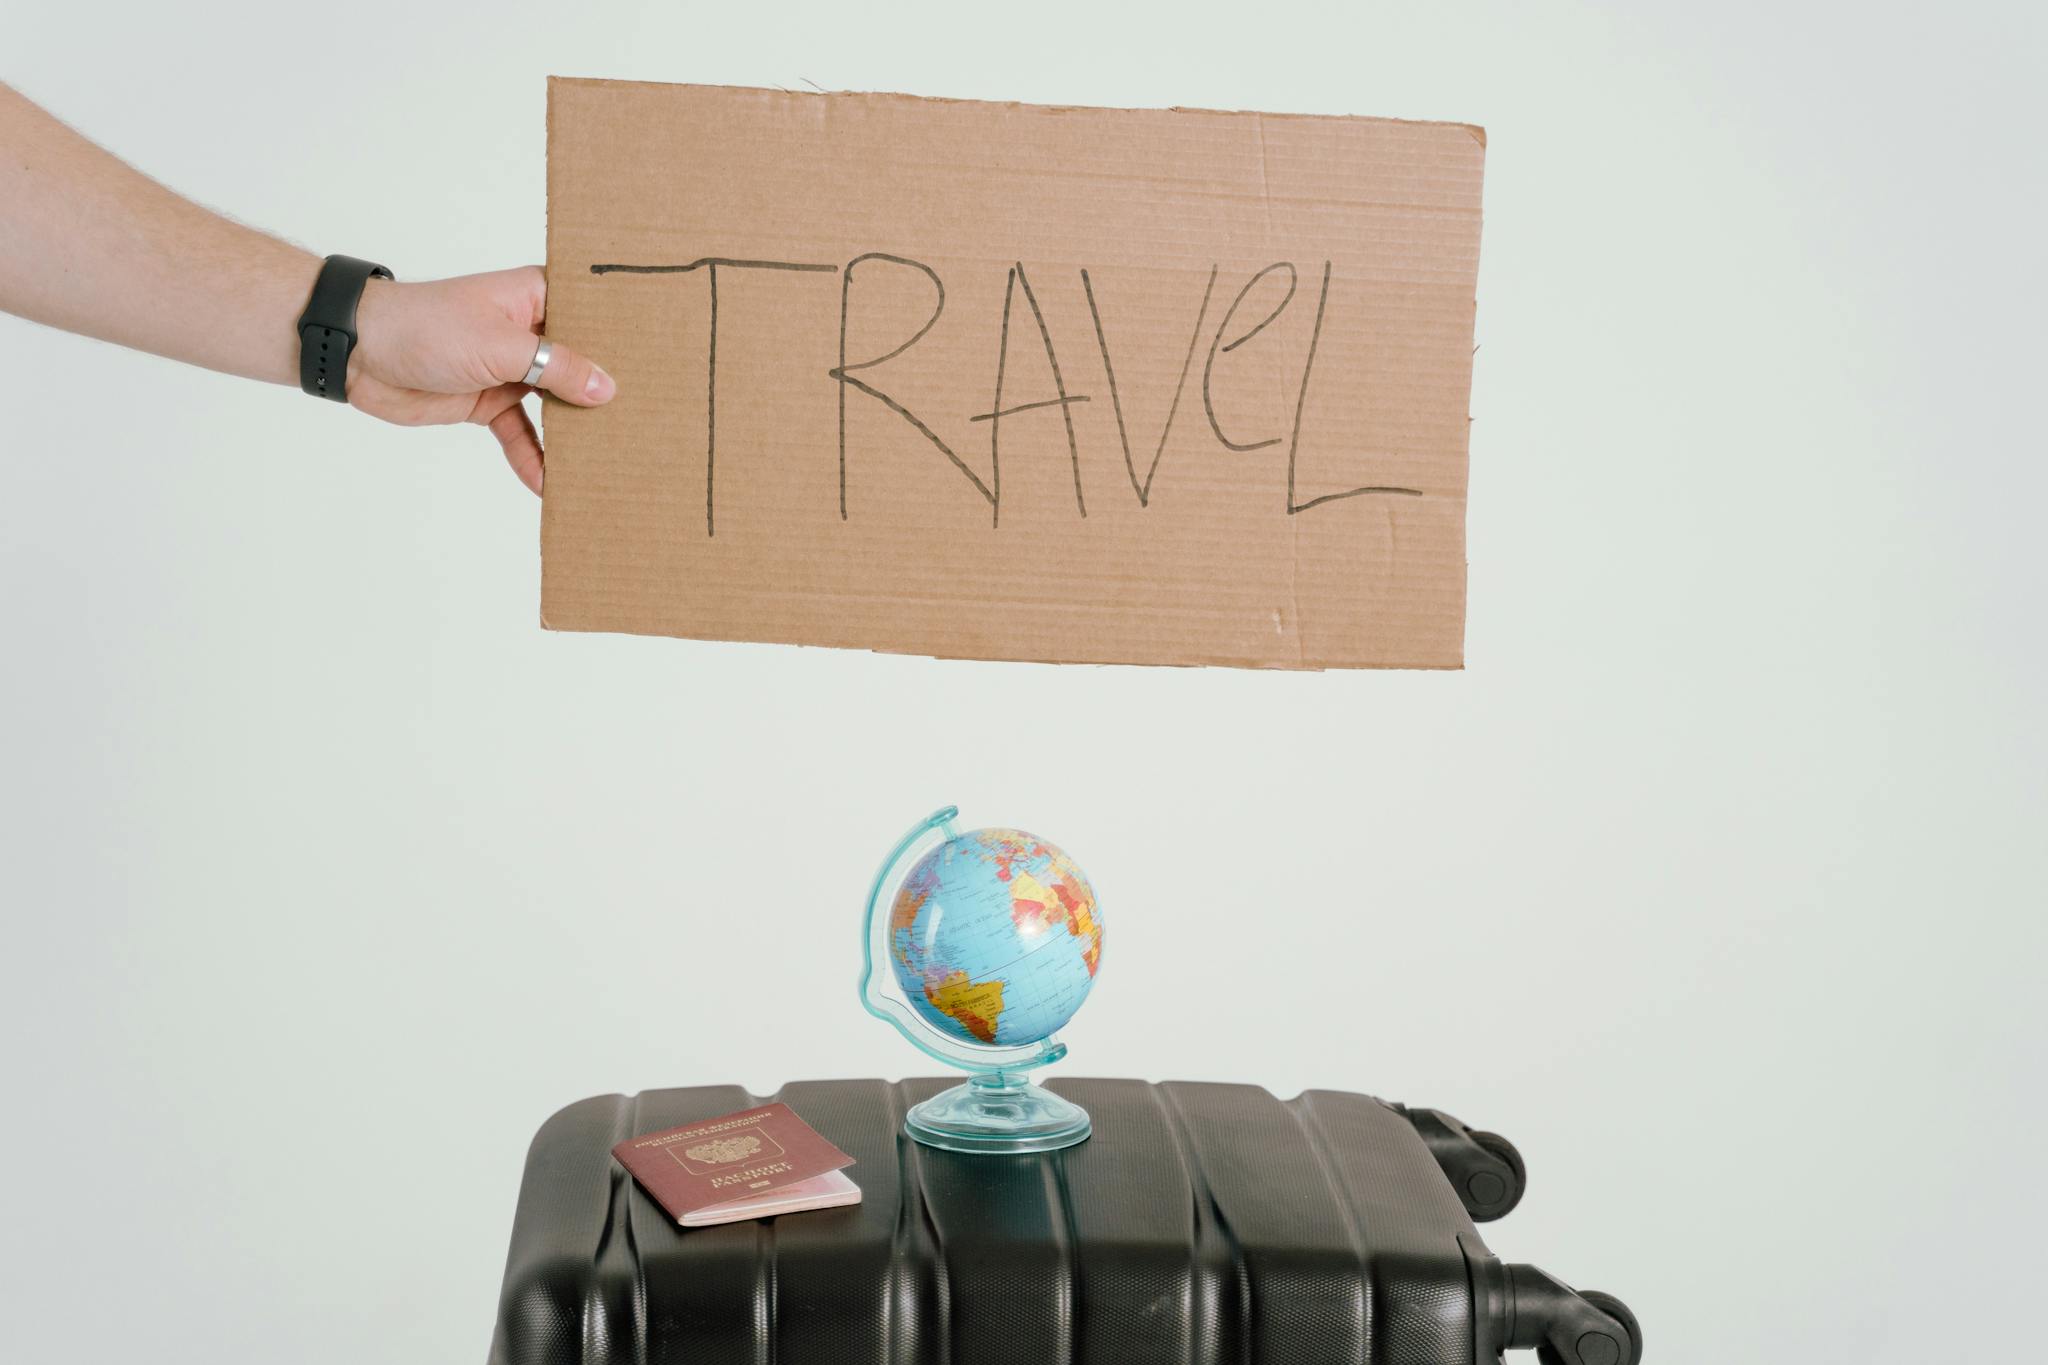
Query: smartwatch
(327, 329)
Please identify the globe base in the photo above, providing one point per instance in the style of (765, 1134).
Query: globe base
(998, 1113)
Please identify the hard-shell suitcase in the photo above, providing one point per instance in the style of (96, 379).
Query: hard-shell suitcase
(1200, 1225)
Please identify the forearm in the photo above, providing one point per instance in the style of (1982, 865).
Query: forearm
(91, 245)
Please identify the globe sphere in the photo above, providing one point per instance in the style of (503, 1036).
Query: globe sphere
(995, 937)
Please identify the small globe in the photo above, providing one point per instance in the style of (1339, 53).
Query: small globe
(995, 937)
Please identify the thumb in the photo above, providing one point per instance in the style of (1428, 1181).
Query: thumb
(568, 376)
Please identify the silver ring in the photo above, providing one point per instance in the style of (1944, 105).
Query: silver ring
(541, 355)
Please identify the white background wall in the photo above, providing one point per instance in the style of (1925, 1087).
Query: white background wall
(1715, 881)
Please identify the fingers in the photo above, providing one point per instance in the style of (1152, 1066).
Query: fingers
(568, 376)
(572, 378)
(514, 430)
(500, 410)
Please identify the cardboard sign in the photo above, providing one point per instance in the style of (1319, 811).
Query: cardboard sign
(1010, 382)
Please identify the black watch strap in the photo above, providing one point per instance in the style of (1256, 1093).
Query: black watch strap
(327, 329)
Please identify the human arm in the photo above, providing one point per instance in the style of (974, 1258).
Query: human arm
(91, 245)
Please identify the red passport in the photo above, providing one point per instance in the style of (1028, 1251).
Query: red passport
(751, 1164)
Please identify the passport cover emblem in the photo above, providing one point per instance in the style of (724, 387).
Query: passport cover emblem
(724, 1150)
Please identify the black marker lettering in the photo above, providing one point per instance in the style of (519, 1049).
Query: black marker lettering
(995, 418)
(1063, 402)
(705, 263)
(1219, 344)
(1144, 490)
(709, 265)
(844, 372)
(1026, 407)
(711, 416)
(1301, 401)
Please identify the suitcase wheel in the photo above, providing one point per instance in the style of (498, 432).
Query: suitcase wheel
(1508, 1193)
(1597, 1346)
(1485, 1170)
(1524, 1308)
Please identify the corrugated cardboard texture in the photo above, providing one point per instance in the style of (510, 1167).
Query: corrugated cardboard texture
(1010, 382)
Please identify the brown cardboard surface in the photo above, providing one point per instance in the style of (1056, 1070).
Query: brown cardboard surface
(1012, 382)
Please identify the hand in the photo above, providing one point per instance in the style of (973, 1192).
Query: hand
(448, 351)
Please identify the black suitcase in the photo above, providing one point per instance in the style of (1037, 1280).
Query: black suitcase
(1200, 1225)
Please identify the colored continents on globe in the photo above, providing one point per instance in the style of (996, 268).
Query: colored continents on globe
(995, 936)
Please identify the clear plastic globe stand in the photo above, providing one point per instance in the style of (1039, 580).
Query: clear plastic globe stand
(999, 1109)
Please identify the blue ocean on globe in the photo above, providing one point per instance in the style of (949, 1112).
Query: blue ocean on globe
(995, 936)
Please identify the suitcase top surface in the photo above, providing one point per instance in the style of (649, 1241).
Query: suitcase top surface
(1202, 1223)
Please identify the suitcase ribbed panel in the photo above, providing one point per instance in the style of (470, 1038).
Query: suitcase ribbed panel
(1201, 1225)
